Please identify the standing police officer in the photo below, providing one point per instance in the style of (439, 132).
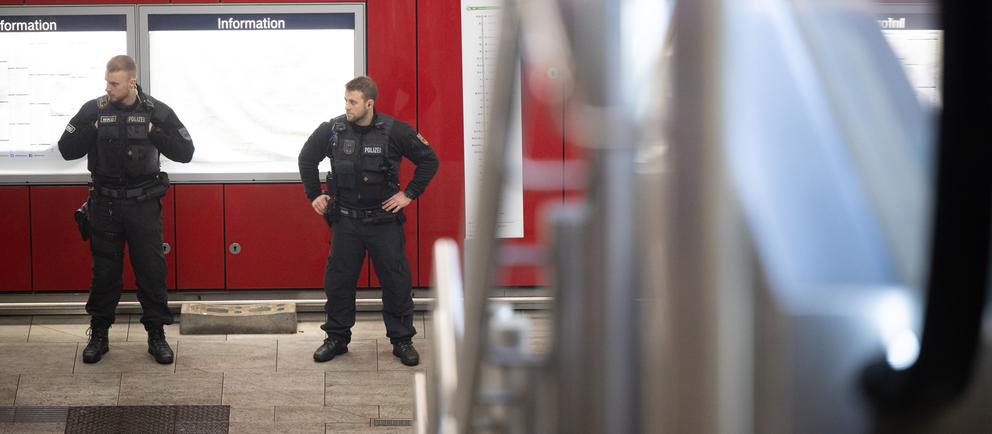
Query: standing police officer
(123, 133)
(363, 204)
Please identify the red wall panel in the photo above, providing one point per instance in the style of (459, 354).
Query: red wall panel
(439, 102)
(393, 65)
(574, 160)
(283, 242)
(199, 248)
(392, 56)
(542, 173)
(15, 239)
(60, 258)
(442, 210)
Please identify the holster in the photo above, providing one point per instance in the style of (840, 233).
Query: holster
(333, 213)
(82, 220)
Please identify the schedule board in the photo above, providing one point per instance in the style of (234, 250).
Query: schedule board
(250, 82)
(52, 60)
(480, 36)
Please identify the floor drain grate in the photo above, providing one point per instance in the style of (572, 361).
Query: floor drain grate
(36, 414)
(165, 419)
(392, 422)
(40, 414)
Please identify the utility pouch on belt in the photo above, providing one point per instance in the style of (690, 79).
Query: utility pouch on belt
(82, 220)
(158, 188)
(333, 214)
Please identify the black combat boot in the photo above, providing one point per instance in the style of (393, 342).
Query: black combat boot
(407, 353)
(98, 345)
(158, 347)
(331, 347)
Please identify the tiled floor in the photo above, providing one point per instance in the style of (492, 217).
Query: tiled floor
(270, 381)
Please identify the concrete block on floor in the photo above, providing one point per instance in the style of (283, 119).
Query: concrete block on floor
(206, 319)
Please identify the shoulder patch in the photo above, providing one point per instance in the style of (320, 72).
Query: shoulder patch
(101, 102)
(348, 146)
(69, 128)
(422, 140)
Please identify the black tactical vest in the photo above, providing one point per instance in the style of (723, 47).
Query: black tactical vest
(362, 175)
(123, 149)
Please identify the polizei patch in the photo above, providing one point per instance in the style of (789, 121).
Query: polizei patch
(136, 119)
(373, 149)
(70, 129)
(108, 119)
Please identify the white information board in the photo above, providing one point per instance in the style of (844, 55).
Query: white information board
(52, 61)
(250, 82)
(917, 43)
(480, 36)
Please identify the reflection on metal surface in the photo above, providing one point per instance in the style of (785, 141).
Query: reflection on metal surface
(755, 230)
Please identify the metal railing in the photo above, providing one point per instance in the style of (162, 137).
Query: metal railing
(595, 263)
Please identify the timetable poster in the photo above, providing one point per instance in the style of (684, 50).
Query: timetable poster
(50, 65)
(480, 36)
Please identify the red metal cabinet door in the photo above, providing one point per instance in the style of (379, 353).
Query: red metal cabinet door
(15, 239)
(168, 237)
(60, 259)
(199, 249)
(282, 242)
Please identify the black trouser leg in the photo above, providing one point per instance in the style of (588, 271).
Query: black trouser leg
(386, 243)
(143, 226)
(107, 249)
(344, 264)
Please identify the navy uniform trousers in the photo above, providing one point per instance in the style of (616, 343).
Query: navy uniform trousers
(114, 222)
(385, 243)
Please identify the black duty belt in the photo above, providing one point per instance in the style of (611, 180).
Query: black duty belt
(360, 213)
(140, 192)
(120, 193)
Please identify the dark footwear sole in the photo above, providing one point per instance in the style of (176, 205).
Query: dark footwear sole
(329, 358)
(97, 358)
(161, 362)
(414, 363)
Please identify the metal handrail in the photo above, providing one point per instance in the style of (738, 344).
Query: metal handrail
(480, 261)
(449, 331)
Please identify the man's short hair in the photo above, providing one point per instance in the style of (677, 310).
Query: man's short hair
(365, 85)
(123, 63)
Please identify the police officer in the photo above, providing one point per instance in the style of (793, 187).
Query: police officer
(363, 205)
(123, 133)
